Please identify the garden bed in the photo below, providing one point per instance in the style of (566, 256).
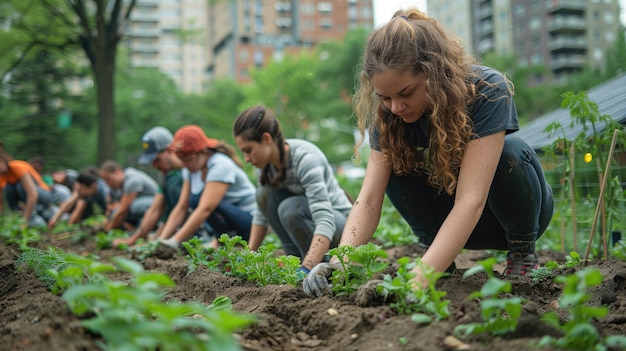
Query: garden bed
(33, 318)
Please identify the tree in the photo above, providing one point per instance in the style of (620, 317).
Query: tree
(98, 27)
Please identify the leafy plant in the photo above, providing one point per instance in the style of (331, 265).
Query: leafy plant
(145, 249)
(105, 240)
(579, 332)
(359, 264)
(427, 302)
(500, 315)
(197, 253)
(131, 315)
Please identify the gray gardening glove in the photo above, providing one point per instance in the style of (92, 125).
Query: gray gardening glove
(171, 242)
(316, 282)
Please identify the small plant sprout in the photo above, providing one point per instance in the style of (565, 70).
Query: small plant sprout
(499, 315)
(579, 332)
(358, 265)
(427, 302)
(573, 260)
(197, 253)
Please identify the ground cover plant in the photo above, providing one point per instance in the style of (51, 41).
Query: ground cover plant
(71, 292)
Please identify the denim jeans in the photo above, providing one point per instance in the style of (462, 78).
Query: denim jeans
(290, 217)
(226, 218)
(14, 193)
(518, 210)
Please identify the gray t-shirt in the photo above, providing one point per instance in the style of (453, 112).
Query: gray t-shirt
(309, 174)
(221, 168)
(135, 181)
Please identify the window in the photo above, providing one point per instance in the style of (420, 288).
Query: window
(326, 23)
(325, 7)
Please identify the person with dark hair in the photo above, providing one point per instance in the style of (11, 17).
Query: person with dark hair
(88, 190)
(156, 152)
(24, 190)
(132, 193)
(440, 150)
(298, 195)
(216, 191)
(38, 163)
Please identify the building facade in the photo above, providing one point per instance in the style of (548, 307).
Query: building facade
(170, 35)
(195, 41)
(244, 34)
(564, 35)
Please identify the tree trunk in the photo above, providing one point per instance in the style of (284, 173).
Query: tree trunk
(104, 68)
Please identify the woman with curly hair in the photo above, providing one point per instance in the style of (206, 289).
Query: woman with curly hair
(439, 125)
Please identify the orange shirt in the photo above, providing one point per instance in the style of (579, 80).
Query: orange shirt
(17, 169)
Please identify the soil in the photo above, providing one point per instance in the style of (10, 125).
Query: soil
(32, 318)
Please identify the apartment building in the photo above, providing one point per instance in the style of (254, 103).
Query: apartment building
(194, 41)
(171, 35)
(244, 34)
(564, 35)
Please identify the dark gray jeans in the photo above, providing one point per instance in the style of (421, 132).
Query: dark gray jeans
(518, 210)
(290, 217)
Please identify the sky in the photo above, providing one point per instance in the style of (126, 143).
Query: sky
(383, 9)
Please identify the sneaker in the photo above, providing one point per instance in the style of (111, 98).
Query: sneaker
(520, 263)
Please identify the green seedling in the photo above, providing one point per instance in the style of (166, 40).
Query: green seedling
(358, 264)
(426, 302)
(131, 315)
(264, 267)
(105, 240)
(500, 315)
(230, 254)
(573, 260)
(197, 253)
(579, 332)
(145, 249)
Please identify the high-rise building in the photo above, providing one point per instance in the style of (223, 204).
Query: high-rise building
(170, 35)
(249, 33)
(564, 35)
(194, 41)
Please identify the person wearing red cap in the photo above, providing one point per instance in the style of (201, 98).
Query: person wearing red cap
(216, 192)
(298, 196)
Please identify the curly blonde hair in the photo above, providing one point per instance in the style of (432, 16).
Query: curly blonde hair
(413, 42)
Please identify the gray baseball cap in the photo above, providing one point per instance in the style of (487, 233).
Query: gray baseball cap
(154, 141)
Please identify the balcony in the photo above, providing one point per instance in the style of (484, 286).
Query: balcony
(567, 24)
(562, 44)
(567, 62)
(567, 6)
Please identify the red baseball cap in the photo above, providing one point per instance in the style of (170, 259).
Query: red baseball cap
(190, 140)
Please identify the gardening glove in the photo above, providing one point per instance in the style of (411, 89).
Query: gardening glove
(171, 242)
(316, 282)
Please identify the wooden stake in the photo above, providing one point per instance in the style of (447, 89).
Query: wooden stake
(601, 198)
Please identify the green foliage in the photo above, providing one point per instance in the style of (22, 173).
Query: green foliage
(500, 315)
(105, 240)
(393, 229)
(359, 264)
(145, 249)
(261, 266)
(579, 331)
(427, 302)
(197, 253)
(132, 315)
(14, 230)
(619, 250)
(592, 139)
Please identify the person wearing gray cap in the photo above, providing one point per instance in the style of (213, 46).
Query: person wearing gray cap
(155, 144)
